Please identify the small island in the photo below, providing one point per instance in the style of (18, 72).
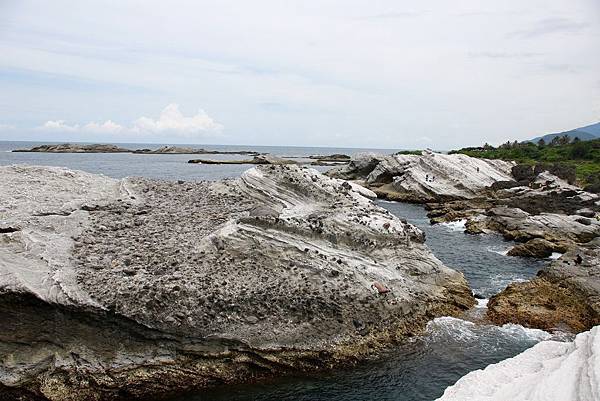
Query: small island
(109, 148)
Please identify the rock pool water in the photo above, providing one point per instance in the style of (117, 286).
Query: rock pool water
(421, 369)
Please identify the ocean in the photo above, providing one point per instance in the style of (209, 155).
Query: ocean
(168, 167)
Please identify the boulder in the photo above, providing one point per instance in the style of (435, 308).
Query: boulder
(358, 168)
(564, 296)
(536, 248)
(523, 172)
(138, 288)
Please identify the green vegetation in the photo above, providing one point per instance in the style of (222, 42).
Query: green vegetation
(409, 152)
(584, 156)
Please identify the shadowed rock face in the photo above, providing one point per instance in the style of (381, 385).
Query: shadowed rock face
(138, 288)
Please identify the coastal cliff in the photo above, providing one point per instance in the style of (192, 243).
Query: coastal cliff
(122, 289)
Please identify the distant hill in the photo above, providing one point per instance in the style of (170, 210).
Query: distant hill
(586, 133)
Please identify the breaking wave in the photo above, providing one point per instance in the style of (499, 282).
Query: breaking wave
(458, 225)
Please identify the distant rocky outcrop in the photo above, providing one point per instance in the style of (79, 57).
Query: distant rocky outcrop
(178, 150)
(75, 148)
(260, 159)
(138, 288)
(564, 296)
(550, 370)
(107, 148)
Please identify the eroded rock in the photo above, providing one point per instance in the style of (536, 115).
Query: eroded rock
(426, 178)
(566, 295)
(139, 288)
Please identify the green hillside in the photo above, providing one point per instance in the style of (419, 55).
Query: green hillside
(583, 156)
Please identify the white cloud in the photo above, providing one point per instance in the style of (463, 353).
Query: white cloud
(59, 125)
(6, 127)
(170, 121)
(107, 127)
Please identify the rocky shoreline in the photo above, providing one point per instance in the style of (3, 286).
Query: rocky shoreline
(124, 289)
(136, 288)
(544, 213)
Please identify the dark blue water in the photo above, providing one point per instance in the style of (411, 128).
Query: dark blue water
(482, 258)
(416, 371)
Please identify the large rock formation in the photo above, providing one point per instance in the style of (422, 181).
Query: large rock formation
(550, 370)
(260, 159)
(179, 150)
(108, 148)
(426, 178)
(137, 288)
(524, 203)
(75, 148)
(546, 214)
(564, 296)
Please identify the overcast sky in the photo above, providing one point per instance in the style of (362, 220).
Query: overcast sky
(345, 73)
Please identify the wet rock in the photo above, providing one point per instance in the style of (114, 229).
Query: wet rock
(536, 248)
(564, 295)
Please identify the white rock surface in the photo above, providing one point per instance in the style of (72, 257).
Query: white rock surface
(549, 371)
(428, 177)
(451, 176)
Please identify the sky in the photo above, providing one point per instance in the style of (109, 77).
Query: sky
(343, 73)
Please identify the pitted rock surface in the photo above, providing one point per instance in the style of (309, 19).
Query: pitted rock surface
(137, 288)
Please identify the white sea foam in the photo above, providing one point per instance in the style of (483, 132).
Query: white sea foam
(464, 330)
(555, 255)
(458, 225)
(518, 331)
(482, 303)
(499, 250)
